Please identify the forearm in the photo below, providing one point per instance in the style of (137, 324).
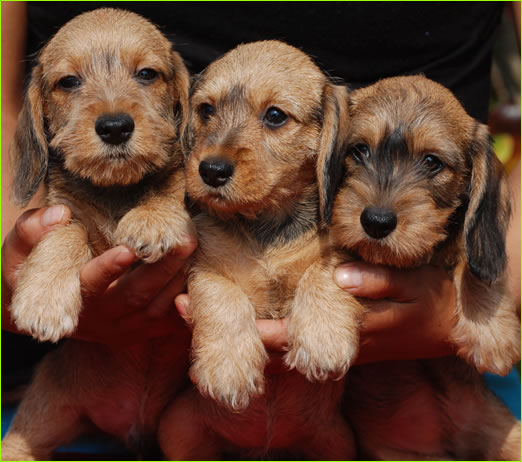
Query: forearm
(14, 25)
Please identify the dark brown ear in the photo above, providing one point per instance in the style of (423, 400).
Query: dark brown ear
(182, 80)
(29, 152)
(333, 134)
(187, 135)
(487, 217)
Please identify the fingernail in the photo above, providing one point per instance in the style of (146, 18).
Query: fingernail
(186, 248)
(53, 215)
(182, 307)
(124, 258)
(348, 277)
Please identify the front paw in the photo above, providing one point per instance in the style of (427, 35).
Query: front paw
(496, 350)
(153, 234)
(321, 355)
(48, 310)
(231, 384)
(231, 375)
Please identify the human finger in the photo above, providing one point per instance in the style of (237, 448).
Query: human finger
(274, 333)
(141, 326)
(163, 301)
(100, 272)
(376, 282)
(182, 303)
(142, 284)
(29, 229)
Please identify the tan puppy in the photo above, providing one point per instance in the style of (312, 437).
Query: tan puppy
(100, 125)
(262, 115)
(422, 185)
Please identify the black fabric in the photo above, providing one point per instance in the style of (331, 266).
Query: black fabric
(360, 42)
(19, 355)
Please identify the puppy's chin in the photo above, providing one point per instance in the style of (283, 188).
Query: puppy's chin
(381, 254)
(392, 250)
(118, 176)
(218, 204)
(115, 170)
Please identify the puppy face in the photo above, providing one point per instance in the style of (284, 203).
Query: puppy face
(419, 170)
(104, 97)
(260, 117)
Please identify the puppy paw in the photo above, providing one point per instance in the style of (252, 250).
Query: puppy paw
(47, 309)
(152, 234)
(495, 354)
(232, 384)
(320, 355)
(9, 453)
(231, 375)
(17, 445)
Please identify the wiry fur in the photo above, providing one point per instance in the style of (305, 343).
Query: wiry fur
(454, 218)
(260, 256)
(129, 193)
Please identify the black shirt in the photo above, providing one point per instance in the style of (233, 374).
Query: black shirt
(360, 42)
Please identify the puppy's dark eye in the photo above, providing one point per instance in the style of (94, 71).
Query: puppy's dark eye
(146, 75)
(360, 152)
(432, 164)
(206, 111)
(69, 82)
(275, 117)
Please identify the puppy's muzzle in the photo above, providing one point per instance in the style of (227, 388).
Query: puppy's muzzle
(216, 172)
(378, 222)
(114, 128)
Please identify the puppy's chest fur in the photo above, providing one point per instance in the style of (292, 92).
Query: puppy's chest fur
(99, 208)
(268, 273)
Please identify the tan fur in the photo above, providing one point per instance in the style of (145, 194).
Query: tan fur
(456, 219)
(260, 256)
(120, 193)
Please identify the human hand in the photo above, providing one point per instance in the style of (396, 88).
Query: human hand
(411, 311)
(123, 306)
(29, 228)
(410, 315)
(120, 306)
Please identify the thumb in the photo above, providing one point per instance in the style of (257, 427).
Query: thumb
(101, 271)
(30, 227)
(182, 303)
(375, 282)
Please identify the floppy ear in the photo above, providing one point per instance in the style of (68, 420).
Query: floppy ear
(331, 149)
(182, 81)
(29, 151)
(487, 216)
(187, 135)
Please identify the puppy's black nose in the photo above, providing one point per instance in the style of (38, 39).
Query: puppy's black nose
(114, 128)
(215, 172)
(378, 222)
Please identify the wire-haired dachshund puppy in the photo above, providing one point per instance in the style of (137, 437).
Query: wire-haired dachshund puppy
(262, 116)
(100, 125)
(421, 184)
